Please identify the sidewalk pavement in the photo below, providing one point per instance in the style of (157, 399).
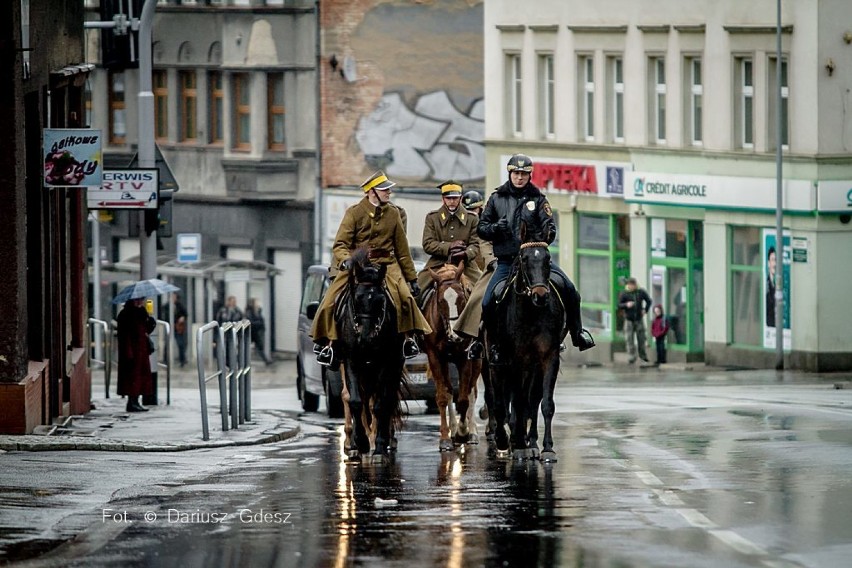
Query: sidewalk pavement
(173, 427)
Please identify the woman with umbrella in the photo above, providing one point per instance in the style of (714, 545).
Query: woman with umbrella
(134, 345)
(134, 353)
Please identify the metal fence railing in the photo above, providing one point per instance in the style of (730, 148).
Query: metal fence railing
(230, 367)
(101, 345)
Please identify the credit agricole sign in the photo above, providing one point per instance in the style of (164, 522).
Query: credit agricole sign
(717, 192)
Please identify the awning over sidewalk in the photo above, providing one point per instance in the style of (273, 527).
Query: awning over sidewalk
(209, 268)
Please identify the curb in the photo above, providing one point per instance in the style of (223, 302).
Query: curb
(283, 431)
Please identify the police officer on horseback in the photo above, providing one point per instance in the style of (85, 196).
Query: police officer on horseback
(449, 235)
(500, 224)
(375, 223)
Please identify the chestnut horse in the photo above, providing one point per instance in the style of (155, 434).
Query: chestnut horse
(443, 346)
(371, 351)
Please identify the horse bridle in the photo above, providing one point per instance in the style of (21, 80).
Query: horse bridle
(357, 316)
(528, 290)
(448, 322)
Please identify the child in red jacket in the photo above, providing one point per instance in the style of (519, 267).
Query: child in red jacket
(659, 329)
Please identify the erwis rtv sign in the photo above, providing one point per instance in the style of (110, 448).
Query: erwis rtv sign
(126, 189)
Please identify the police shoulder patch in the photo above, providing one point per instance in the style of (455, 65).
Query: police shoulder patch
(531, 205)
(547, 210)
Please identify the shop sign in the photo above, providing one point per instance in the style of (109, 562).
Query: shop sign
(126, 189)
(834, 197)
(592, 177)
(800, 249)
(722, 192)
(72, 157)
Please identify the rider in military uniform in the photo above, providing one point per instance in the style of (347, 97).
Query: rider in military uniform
(374, 223)
(500, 224)
(449, 235)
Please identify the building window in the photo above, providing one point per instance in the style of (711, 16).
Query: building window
(746, 273)
(242, 111)
(745, 103)
(657, 98)
(615, 66)
(546, 95)
(188, 106)
(772, 105)
(587, 98)
(603, 262)
(694, 91)
(513, 93)
(217, 106)
(275, 114)
(117, 109)
(161, 105)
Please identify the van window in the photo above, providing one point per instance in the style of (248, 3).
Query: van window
(314, 288)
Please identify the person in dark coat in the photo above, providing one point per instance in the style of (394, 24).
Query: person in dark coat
(258, 328)
(635, 302)
(134, 353)
(659, 329)
(500, 224)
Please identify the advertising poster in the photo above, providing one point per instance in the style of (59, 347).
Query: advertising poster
(771, 256)
(72, 157)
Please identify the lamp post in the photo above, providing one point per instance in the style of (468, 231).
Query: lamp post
(779, 214)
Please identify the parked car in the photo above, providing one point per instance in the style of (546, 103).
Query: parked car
(313, 379)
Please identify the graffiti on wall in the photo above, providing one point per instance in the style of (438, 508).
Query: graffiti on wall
(434, 141)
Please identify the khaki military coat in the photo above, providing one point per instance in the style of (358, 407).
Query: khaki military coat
(380, 229)
(440, 229)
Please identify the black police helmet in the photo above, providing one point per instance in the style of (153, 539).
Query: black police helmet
(472, 200)
(519, 162)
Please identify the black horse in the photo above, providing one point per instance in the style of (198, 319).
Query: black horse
(371, 350)
(528, 326)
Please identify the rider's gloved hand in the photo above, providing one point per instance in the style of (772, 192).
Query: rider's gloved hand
(346, 264)
(503, 225)
(415, 288)
(457, 244)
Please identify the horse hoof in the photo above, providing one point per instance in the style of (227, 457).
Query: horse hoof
(501, 454)
(353, 456)
(459, 440)
(532, 453)
(445, 446)
(392, 446)
(473, 439)
(378, 459)
(521, 454)
(548, 456)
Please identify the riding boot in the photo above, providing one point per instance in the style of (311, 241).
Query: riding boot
(410, 348)
(580, 337)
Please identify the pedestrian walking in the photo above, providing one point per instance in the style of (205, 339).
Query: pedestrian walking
(179, 330)
(134, 353)
(229, 312)
(635, 303)
(258, 328)
(659, 329)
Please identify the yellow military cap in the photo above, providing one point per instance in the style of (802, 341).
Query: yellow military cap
(377, 181)
(450, 189)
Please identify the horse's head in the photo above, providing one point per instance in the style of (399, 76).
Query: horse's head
(367, 298)
(533, 267)
(450, 298)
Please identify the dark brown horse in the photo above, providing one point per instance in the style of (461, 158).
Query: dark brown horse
(444, 347)
(371, 350)
(528, 327)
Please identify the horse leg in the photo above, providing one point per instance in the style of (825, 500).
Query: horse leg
(466, 378)
(500, 409)
(520, 410)
(488, 396)
(474, 393)
(535, 394)
(548, 407)
(352, 409)
(385, 404)
(442, 397)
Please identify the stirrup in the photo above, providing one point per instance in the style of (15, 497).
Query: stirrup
(325, 356)
(475, 350)
(409, 348)
(318, 347)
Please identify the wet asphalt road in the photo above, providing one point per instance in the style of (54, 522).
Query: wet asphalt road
(728, 469)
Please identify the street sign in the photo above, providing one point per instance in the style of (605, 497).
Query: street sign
(189, 247)
(72, 157)
(126, 189)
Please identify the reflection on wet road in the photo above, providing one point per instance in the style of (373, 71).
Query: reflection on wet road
(649, 477)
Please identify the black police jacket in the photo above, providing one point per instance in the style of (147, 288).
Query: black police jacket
(512, 203)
